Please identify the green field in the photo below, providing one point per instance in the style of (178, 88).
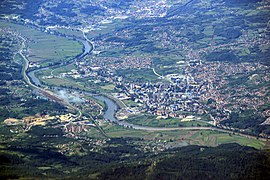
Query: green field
(143, 75)
(105, 28)
(192, 137)
(130, 103)
(46, 48)
(56, 71)
(214, 138)
(108, 87)
(153, 121)
(65, 82)
(70, 32)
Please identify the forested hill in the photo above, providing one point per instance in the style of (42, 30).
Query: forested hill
(228, 161)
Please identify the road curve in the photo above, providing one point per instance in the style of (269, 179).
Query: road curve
(147, 128)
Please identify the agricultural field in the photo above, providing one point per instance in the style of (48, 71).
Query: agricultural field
(155, 121)
(43, 48)
(139, 75)
(178, 137)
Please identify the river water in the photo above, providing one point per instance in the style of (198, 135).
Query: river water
(87, 49)
(112, 107)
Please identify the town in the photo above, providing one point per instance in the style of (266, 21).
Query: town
(202, 89)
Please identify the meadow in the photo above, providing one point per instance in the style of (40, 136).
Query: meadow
(45, 48)
(176, 137)
(154, 121)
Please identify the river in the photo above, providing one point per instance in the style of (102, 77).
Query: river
(112, 107)
(88, 47)
(86, 50)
